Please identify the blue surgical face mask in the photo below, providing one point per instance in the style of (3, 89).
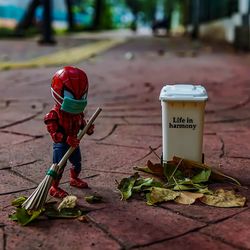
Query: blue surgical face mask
(69, 104)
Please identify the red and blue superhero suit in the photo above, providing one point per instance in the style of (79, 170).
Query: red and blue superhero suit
(69, 89)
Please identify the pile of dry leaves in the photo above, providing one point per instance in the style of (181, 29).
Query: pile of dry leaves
(182, 181)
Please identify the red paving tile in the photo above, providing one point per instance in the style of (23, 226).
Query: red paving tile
(11, 182)
(58, 234)
(202, 212)
(234, 231)
(135, 223)
(189, 242)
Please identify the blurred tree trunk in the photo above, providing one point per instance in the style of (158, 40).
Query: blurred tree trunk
(99, 6)
(47, 34)
(135, 7)
(28, 17)
(70, 17)
(168, 10)
(195, 19)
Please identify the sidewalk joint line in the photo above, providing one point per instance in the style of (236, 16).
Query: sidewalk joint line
(106, 171)
(22, 120)
(222, 149)
(110, 133)
(21, 176)
(102, 228)
(170, 238)
(224, 241)
(4, 238)
(26, 163)
(18, 191)
(22, 134)
(118, 145)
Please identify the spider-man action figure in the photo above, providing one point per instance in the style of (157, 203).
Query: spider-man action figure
(69, 88)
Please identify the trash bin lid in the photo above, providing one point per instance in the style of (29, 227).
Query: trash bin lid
(183, 92)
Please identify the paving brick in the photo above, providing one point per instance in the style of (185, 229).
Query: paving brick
(30, 151)
(38, 129)
(222, 99)
(4, 158)
(132, 139)
(233, 144)
(228, 117)
(228, 127)
(11, 182)
(58, 234)
(234, 231)
(148, 120)
(212, 148)
(140, 130)
(8, 139)
(202, 212)
(189, 242)
(135, 223)
(18, 110)
(107, 156)
(237, 168)
(103, 126)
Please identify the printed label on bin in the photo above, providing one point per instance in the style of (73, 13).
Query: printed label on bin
(180, 122)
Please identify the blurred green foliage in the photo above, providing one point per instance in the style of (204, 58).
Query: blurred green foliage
(109, 14)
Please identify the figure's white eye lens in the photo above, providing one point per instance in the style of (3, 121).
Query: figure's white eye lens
(85, 96)
(66, 93)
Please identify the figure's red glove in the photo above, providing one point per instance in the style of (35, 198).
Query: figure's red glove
(73, 141)
(91, 129)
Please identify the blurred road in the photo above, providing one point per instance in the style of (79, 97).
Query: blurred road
(126, 81)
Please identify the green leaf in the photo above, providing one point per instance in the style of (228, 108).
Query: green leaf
(143, 183)
(18, 201)
(126, 185)
(181, 187)
(158, 194)
(172, 172)
(13, 217)
(195, 187)
(24, 217)
(52, 212)
(93, 198)
(203, 176)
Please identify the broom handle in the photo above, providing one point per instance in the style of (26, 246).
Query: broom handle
(79, 137)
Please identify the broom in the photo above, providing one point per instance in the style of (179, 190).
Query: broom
(37, 199)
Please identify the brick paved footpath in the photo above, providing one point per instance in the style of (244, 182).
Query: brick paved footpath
(128, 92)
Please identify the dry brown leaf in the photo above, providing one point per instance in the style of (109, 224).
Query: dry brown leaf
(159, 194)
(188, 198)
(222, 198)
(155, 168)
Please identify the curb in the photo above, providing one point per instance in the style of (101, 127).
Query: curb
(68, 56)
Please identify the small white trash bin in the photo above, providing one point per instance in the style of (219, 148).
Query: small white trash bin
(183, 107)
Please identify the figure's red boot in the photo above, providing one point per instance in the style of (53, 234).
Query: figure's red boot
(57, 192)
(75, 181)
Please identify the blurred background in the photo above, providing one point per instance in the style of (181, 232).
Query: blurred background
(223, 20)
